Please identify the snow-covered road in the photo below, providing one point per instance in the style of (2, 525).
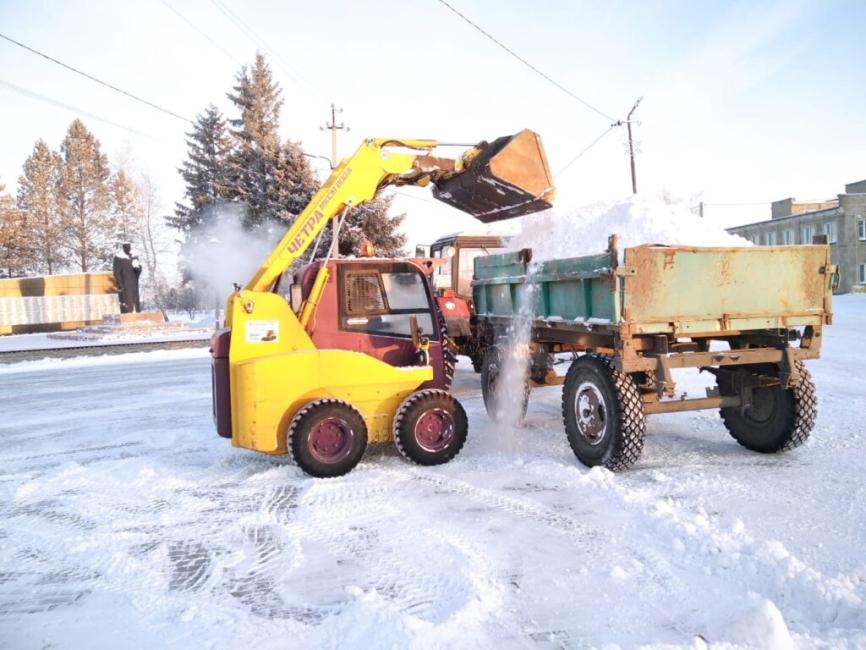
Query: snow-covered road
(126, 522)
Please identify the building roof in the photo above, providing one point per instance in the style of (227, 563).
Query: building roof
(826, 212)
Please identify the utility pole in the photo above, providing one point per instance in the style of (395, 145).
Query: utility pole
(628, 121)
(333, 127)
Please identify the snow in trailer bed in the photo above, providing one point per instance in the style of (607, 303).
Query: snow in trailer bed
(125, 521)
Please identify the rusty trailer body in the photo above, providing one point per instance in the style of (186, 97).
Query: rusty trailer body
(750, 316)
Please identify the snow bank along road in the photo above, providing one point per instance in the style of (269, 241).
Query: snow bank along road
(126, 522)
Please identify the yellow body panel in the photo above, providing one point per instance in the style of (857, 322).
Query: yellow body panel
(274, 370)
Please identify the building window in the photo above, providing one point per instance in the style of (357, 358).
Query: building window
(830, 231)
(771, 239)
(788, 237)
(807, 233)
(861, 274)
(861, 229)
(762, 239)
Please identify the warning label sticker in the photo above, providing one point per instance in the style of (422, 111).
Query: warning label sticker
(263, 331)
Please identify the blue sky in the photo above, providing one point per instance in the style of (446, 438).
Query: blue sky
(743, 101)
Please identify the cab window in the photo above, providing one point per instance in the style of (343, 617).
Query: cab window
(466, 268)
(384, 300)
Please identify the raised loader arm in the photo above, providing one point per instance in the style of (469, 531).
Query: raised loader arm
(503, 179)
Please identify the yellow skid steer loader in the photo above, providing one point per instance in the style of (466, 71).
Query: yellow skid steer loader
(289, 377)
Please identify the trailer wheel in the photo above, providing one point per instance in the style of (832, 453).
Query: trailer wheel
(603, 413)
(779, 419)
(430, 427)
(491, 368)
(327, 438)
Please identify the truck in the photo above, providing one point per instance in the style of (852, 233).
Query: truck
(450, 262)
(749, 316)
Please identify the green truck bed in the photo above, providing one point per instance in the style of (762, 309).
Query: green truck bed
(676, 290)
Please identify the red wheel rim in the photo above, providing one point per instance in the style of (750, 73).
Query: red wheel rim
(331, 440)
(434, 430)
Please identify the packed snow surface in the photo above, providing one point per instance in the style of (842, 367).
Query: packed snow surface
(125, 522)
(571, 232)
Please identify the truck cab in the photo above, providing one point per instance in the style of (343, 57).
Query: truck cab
(452, 278)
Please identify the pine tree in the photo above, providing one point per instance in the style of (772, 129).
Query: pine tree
(14, 249)
(370, 222)
(295, 182)
(205, 171)
(253, 163)
(40, 198)
(126, 208)
(87, 214)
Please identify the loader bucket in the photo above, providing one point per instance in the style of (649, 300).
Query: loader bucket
(508, 178)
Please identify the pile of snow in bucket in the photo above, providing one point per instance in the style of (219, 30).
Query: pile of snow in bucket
(571, 232)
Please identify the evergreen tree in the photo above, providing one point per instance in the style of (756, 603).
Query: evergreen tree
(295, 182)
(126, 209)
(370, 222)
(205, 171)
(40, 198)
(14, 249)
(87, 215)
(270, 178)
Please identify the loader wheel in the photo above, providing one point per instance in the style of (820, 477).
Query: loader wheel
(779, 419)
(430, 427)
(603, 413)
(327, 438)
(491, 368)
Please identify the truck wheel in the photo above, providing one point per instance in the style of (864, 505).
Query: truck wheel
(449, 348)
(491, 368)
(327, 438)
(779, 419)
(603, 413)
(430, 427)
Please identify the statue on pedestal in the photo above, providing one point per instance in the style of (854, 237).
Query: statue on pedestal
(126, 269)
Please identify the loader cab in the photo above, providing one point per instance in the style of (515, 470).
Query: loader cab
(460, 251)
(369, 305)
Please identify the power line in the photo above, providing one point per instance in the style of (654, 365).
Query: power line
(527, 63)
(296, 76)
(202, 33)
(75, 109)
(585, 149)
(92, 78)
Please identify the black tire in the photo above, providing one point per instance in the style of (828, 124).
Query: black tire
(780, 419)
(327, 438)
(490, 369)
(611, 426)
(449, 348)
(430, 427)
(477, 359)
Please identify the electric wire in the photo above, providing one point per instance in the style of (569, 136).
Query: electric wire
(244, 28)
(74, 109)
(202, 33)
(525, 62)
(95, 79)
(585, 149)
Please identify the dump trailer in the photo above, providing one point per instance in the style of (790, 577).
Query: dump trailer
(750, 316)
